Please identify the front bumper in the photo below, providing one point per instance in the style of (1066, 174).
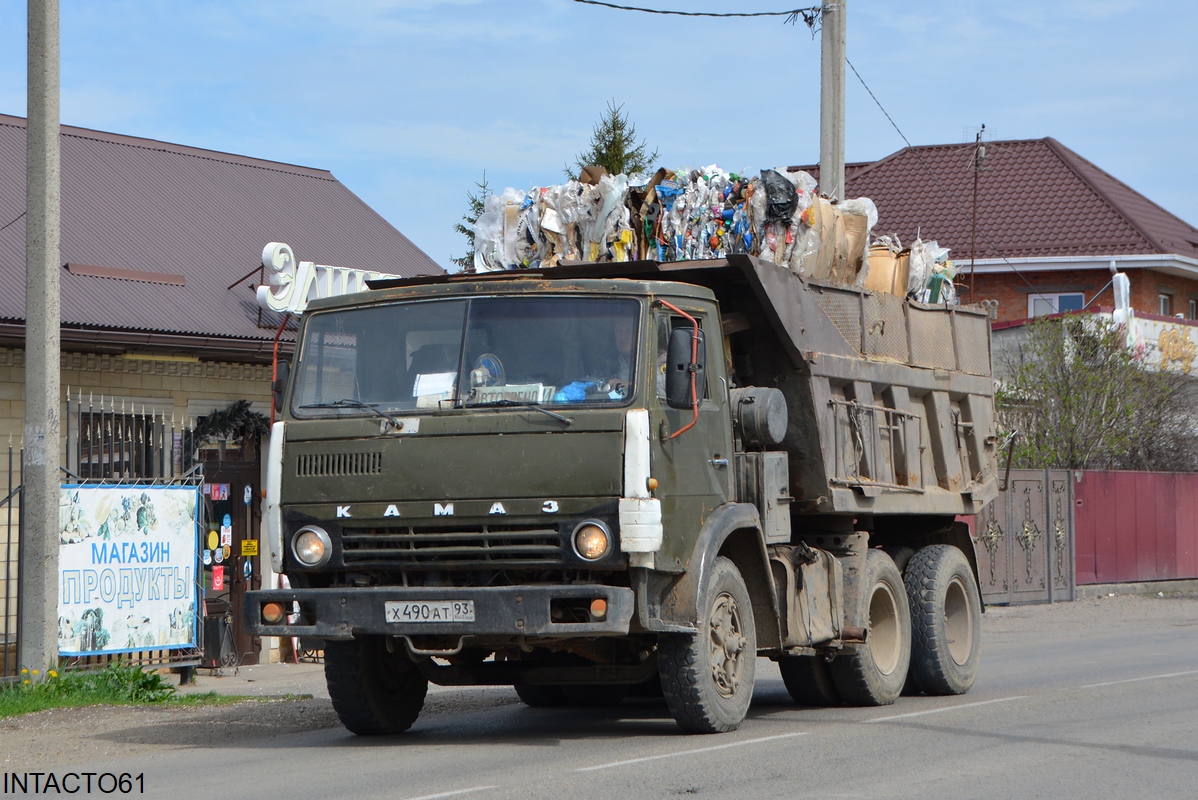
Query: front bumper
(343, 612)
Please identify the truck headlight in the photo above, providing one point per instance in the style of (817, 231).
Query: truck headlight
(592, 540)
(312, 546)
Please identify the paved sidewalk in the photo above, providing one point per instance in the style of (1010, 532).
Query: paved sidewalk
(1152, 588)
(260, 680)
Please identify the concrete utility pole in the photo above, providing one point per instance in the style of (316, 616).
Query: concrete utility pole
(831, 99)
(38, 639)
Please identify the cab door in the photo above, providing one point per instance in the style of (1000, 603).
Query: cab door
(693, 468)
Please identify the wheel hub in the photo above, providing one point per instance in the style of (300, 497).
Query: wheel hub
(728, 643)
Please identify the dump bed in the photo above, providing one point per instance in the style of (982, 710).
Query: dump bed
(891, 402)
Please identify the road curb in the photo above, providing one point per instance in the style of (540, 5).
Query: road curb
(1128, 589)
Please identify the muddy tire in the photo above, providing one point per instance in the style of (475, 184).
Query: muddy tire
(707, 677)
(809, 680)
(874, 674)
(540, 695)
(375, 691)
(946, 620)
(901, 556)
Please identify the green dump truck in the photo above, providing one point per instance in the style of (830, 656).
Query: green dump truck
(606, 478)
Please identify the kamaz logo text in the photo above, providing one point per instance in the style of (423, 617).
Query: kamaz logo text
(447, 509)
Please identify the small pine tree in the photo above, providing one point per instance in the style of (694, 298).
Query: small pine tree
(614, 146)
(466, 226)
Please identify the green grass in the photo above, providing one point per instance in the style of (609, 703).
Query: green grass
(115, 684)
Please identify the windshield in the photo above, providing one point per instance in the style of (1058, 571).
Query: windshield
(435, 354)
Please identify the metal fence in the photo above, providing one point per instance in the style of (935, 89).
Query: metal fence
(1136, 526)
(107, 444)
(127, 446)
(10, 595)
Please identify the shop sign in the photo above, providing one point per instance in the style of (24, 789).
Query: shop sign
(127, 560)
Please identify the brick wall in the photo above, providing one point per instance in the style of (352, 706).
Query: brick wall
(1145, 293)
(184, 389)
(1012, 292)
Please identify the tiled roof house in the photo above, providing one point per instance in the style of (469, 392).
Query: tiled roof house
(1050, 226)
(154, 233)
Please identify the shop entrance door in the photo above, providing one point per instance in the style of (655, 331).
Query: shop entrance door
(232, 493)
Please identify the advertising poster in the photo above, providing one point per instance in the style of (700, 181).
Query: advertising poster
(127, 568)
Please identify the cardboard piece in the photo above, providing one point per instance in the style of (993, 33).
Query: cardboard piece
(832, 262)
(591, 175)
(855, 230)
(888, 271)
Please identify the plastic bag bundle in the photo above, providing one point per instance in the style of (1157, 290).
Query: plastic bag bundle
(781, 212)
(697, 214)
(674, 216)
(573, 221)
(930, 279)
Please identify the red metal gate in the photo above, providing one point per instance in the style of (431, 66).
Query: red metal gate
(1136, 526)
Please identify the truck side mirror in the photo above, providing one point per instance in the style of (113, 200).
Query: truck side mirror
(282, 372)
(678, 368)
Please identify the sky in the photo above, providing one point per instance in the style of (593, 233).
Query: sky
(409, 102)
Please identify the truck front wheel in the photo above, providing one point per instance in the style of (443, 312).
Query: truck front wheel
(375, 688)
(946, 620)
(873, 675)
(707, 677)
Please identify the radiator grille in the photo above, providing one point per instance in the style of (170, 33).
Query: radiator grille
(331, 465)
(474, 547)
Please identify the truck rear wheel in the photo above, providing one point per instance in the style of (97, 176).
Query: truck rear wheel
(901, 556)
(873, 675)
(809, 680)
(707, 677)
(375, 689)
(946, 620)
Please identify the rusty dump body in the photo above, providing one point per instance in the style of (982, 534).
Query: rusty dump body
(890, 402)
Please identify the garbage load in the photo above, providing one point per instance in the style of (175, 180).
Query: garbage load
(678, 215)
(931, 275)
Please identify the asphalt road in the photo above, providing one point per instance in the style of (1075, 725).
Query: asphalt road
(1085, 700)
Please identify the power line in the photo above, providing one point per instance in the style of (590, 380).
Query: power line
(928, 170)
(808, 15)
(811, 16)
(14, 222)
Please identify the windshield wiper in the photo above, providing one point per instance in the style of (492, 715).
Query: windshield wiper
(348, 402)
(507, 403)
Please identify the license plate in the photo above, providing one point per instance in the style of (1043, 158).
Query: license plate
(430, 611)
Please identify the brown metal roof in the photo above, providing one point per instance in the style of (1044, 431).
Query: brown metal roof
(1036, 198)
(144, 206)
